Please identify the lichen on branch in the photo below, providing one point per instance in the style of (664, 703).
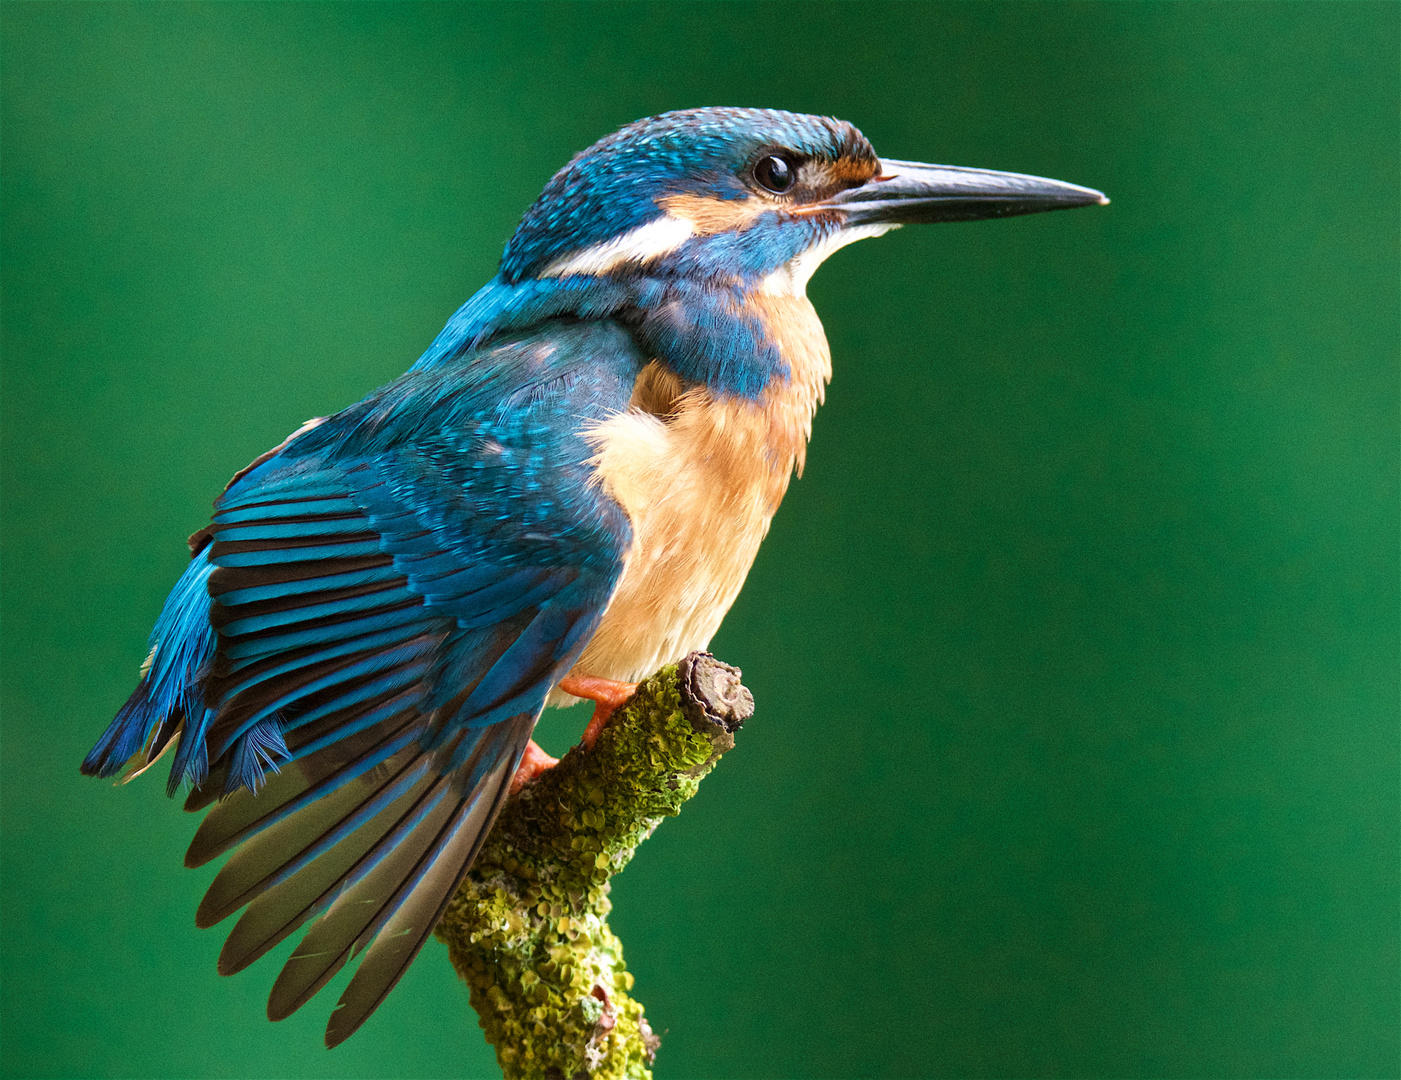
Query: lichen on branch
(528, 929)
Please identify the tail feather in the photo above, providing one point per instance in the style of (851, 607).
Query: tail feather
(125, 736)
(182, 645)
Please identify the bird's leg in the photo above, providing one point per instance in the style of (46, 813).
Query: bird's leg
(607, 697)
(533, 762)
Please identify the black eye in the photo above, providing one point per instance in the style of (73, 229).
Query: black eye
(774, 174)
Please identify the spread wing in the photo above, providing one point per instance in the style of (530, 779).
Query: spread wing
(388, 600)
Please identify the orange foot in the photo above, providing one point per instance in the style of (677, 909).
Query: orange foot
(533, 763)
(606, 695)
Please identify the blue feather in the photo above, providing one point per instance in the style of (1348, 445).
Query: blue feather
(297, 554)
(191, 764)
(274, 510)
(254, 655)
(182, 644)
(396, 665)
(253, 624)
(282, 589)
(259, 748)
(338, 631)
(281, 530)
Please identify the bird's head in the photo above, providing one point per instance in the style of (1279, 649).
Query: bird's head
(737, 195)
(669, 222)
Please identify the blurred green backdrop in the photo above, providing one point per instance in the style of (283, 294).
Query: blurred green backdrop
(1075, 649)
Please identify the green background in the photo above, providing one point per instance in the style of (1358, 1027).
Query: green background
(1075, 649)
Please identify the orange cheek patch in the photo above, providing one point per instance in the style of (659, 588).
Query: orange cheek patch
(845, 170)
(710, 216)
(820, 180)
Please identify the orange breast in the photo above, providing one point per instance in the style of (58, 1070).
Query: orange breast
(700, 485)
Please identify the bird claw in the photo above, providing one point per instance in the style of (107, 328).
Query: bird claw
(533, 762)
(607, 695)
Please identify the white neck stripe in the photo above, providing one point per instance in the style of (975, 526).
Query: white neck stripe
(656, 238)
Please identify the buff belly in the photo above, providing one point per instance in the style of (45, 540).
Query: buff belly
(700, 477)
(700, 497)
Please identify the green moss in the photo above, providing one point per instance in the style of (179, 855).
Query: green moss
(528, 930)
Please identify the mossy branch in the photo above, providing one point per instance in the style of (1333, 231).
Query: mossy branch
(528, 930)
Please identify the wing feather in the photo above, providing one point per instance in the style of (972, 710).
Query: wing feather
(279, 911)
(378, 611)
(417, 907)
(330, 943)
(279, 851)
(404, 693)
(244, 813)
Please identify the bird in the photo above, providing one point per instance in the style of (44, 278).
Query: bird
(564, 493)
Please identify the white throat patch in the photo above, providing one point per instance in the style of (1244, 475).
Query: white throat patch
(792, 278)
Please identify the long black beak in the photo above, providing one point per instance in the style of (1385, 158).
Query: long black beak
(908, 193)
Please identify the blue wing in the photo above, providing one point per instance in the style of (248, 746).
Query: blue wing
(357, 654)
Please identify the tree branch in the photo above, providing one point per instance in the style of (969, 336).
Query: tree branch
(528, 930)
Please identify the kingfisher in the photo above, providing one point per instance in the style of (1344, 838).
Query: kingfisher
(563, 493)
